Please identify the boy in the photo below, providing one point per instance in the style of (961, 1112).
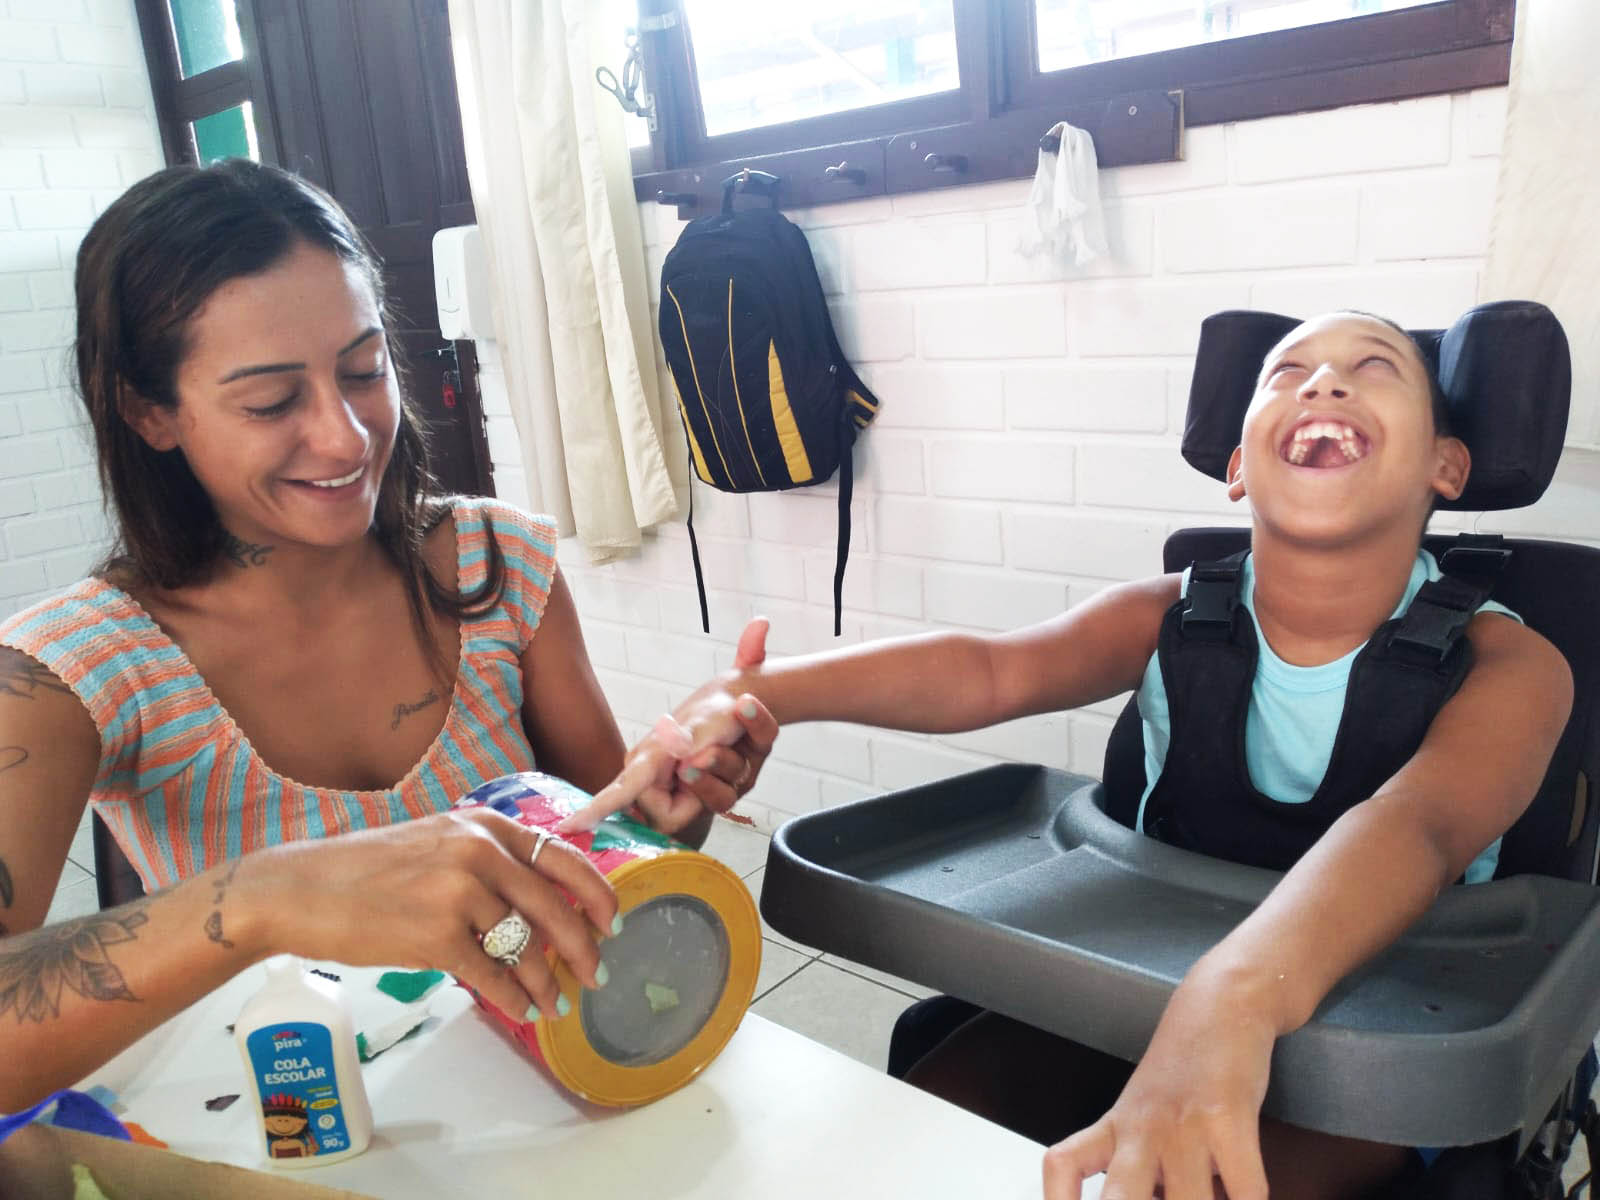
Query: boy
(1342, 460)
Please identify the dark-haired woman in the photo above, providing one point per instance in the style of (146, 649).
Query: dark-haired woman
(290, 626)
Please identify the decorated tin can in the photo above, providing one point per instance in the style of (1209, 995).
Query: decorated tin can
(682, 971)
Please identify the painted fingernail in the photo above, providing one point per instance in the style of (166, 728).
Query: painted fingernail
(747, 708)
(532, 1014)
(602, 975)
(563, 1006)
(616, 924)
(689, 774)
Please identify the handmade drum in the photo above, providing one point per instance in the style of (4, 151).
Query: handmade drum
(682, 971)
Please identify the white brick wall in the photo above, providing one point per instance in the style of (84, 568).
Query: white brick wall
(1026, 454)
(77, 126)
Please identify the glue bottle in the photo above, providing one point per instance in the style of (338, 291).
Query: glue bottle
(299, 1048)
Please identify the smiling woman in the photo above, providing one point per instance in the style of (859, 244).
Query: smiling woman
(297, 660)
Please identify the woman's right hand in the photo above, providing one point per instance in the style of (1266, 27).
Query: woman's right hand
(421, 894)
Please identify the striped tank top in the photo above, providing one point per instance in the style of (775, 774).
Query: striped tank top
(179, 784)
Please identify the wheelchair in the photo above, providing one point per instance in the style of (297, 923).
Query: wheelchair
(1025, 890)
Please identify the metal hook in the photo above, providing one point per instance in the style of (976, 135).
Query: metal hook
(846, 172)
(947, 163)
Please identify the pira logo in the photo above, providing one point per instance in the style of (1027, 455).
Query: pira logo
(285, 1037)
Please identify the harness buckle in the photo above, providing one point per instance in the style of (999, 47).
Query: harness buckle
(1211, 599)
(1433, 624)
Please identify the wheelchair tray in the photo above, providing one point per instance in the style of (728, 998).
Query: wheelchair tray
(1009, 887)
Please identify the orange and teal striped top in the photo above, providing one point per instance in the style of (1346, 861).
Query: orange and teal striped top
(179, 784)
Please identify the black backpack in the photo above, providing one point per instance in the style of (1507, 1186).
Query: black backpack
(767, 400)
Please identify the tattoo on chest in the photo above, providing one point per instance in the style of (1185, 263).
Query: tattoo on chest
(245, 554)
(22, 677)
(73, 955)
(402, 711)
(8, 891)
(11, 756)
(213, 924)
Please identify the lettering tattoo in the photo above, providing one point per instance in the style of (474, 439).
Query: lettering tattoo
(402, 711)
(214, 921)
(22, 677)
(245, 554)
(74, 956)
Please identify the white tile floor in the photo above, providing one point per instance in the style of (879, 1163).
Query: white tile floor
(828, 999)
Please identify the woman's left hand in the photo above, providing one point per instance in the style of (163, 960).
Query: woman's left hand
(1191, 1111)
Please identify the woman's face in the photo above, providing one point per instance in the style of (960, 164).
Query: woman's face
(287, 404)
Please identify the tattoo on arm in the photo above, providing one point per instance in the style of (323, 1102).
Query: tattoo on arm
(73, 955)
(22, 677)
(245, 554)
(402, 711)
(214, 921)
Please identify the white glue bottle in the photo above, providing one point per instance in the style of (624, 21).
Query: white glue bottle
(299, 1049)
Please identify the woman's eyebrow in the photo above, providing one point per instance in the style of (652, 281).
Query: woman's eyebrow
(275, 368)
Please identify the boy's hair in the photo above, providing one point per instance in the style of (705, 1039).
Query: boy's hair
(1436, 397)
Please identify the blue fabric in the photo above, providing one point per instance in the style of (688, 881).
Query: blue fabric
(73, 1110)
(1293, 716)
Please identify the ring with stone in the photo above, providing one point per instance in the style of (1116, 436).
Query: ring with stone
(509, 937)
(541, 838)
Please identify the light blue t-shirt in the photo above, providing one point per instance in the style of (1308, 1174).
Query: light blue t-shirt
(1293, 716)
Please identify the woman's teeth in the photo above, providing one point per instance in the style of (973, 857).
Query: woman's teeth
(340, 482)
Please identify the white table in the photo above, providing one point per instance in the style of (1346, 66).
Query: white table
(461, 1111)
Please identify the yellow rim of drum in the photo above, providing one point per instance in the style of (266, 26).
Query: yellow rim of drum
(562, 1040)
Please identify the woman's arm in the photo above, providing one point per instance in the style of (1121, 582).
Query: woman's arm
(415, 894)
(931, 683)
(1193, 1104)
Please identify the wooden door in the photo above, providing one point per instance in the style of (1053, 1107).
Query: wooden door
(361, 99)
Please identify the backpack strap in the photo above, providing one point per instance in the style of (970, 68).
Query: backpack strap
(694, 553)
(846, 486)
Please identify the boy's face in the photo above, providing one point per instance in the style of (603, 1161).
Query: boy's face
(1339, 439)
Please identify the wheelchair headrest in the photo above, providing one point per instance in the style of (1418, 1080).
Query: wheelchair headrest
(1504, 368)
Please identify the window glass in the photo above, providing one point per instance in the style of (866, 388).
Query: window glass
(207, 33)
(230, 133)
(1074, 32)
(765, 64)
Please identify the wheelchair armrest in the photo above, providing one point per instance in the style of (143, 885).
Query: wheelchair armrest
(1011, 888)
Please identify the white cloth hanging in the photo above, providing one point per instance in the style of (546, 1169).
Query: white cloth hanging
(553, 193)
(1067, 221)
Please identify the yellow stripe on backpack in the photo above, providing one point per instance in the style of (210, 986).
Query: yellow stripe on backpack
(794, 447)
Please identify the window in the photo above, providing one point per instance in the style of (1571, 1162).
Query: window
(206, 79)
(844, 98)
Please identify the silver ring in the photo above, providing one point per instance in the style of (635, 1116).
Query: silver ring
(543, 837)
(506, 941)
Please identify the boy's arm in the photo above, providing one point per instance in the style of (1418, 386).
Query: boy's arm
(1196, 1096)
(931, 683)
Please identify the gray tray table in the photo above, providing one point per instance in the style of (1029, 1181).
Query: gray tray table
(1009, 887)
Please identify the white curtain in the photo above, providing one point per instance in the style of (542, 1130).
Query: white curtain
(1544, 244)
(553, 191)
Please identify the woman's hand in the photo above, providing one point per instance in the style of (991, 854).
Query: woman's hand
(421, 894)
(1190, 1112)
(700, 759)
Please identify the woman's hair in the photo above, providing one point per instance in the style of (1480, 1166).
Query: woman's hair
(146, 267)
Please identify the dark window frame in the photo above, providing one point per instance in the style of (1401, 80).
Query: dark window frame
(180, 101)
(1136, 108)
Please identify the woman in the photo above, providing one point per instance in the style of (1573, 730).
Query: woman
(292, 625)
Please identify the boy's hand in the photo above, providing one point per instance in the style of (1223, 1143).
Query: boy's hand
(702, 757)
(1190, 1112)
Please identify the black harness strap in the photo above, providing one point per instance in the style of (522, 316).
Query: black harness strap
(1207, 652)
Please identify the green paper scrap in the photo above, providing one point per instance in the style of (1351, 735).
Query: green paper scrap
(407, 986)
(619, 833)
(661, 997)
(84, 1186)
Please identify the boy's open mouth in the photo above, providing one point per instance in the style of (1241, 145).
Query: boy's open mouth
(1323, 445)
